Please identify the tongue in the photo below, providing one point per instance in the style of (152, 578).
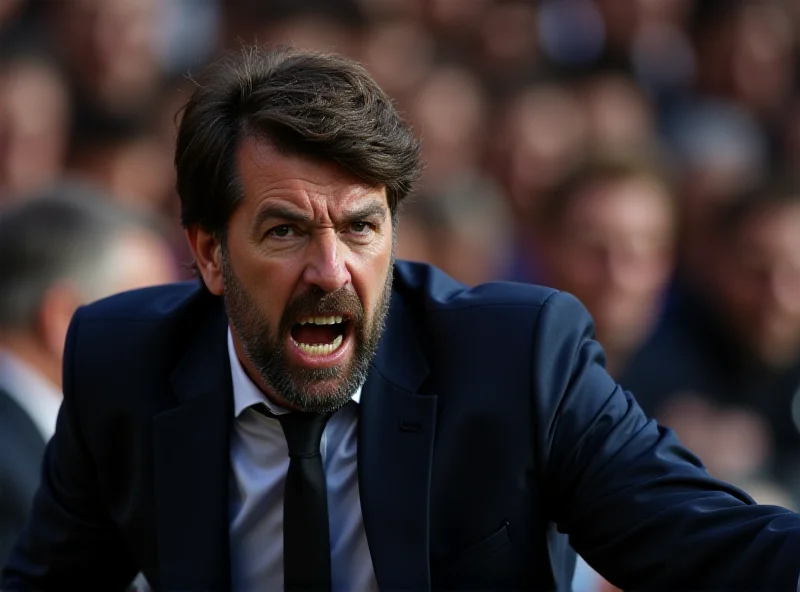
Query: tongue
(315, 334)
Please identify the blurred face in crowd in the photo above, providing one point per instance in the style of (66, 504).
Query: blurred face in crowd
(400, 54)
(110, 45)
(449, 109)
(539, 138)
(33, 127)
(135, 170)
(748, 55)
(762, 61)
(613, 250)
(507, 45)
(618, 115)
(305, 271)
(760, 284)
(135, 259)
(142, 259)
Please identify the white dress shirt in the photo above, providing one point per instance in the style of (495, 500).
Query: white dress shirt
(38, 397)
(259, 461)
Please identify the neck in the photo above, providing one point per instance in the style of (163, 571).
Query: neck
(27, 349)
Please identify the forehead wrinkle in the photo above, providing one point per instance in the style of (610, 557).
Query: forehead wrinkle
(316, 207)
(311, 186)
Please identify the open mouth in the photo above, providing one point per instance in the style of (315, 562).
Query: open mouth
(320, 335)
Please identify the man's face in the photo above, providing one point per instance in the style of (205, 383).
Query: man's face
(760, 284)
(306, 276)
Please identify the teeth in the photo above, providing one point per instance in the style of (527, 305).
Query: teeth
(322, 320)
(321, 349)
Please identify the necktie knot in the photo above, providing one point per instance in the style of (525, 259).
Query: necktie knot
(303, 432)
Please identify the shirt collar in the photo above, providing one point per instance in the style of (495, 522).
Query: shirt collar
(246, 393)
(37, 396)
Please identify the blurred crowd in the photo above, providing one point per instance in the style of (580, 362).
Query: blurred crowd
(639, 154)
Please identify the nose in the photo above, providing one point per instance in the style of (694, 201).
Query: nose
(325, 266)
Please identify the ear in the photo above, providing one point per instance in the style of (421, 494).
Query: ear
(52, 321)
(208, 257)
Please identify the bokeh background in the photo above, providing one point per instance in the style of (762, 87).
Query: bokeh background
(640, 154)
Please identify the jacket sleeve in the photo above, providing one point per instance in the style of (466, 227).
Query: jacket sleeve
(638, 506)
(70, 541)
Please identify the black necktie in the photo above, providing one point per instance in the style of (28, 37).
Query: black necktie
(306, 535)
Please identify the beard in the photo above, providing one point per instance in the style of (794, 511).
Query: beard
(314, 390)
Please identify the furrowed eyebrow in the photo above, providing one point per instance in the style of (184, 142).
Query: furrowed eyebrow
(280, 212)
(371, 210)
(284, 213)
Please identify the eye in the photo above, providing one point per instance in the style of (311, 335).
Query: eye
(282, 231)
(362, 228)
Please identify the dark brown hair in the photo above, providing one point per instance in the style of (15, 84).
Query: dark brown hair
(305, 103)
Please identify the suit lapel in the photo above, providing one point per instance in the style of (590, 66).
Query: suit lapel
(396, 432)
(191, 462)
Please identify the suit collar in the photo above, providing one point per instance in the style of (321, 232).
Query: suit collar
(400, 358)
(204, 367)
(34, 393)
(396, 435)
(191, 463)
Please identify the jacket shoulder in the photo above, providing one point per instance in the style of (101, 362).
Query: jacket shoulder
(147, 304)
(433, 290)
(146, 329)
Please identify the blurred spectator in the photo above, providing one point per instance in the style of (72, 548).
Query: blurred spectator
(112, 52)
(131, 161)
(619, 116)
(34, 124)
(759, 276)
(449, 112)
(718, 150)
(745, 52)
(538, 137)
(608, 236)
(399, 54)
(741, 345)
(57, 251)
(462, 229)
(505, 51)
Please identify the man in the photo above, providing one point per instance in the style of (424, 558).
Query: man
(608, 234)
(57, 252)
(464, 423)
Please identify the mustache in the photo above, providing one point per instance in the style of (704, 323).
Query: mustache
(316, 302)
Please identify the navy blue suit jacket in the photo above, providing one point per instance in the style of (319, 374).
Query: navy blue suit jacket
(487, 418)
(21, 452)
